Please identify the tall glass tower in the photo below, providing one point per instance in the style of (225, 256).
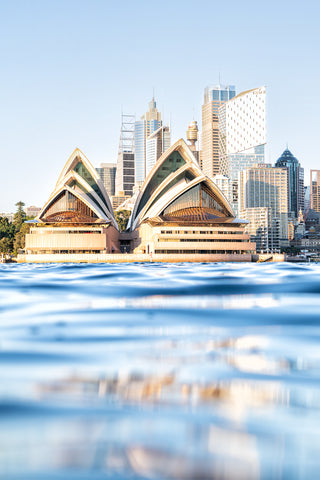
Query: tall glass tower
(315, 190)
(149, 123)
(263, 201)
(107, 173)
(295, 182)
(157, 143)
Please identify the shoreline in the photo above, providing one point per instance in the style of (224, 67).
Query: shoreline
(148, 258)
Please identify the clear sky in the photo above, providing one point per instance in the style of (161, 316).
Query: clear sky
(69, 67)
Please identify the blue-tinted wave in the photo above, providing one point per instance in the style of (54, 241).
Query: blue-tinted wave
(157, 371)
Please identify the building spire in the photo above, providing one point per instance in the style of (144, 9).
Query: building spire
(152, 104)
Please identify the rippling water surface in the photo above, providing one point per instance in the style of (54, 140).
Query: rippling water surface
(159, 371)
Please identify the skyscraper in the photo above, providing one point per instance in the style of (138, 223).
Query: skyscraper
(149, 123)
(295, 182)
(156, 144)
(264, 187)
(214, 97)
(124, 180)
(315, 190)
(307, 196)
(125, 173)
(242, 135)
(107, 173)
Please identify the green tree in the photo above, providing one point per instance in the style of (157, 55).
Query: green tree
(6, 245)
(122, 218)
(20, 216)
(20, 238)
(7, 230)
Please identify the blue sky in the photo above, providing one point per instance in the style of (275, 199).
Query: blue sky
(69, 67)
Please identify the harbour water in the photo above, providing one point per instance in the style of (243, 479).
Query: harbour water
(159, 371)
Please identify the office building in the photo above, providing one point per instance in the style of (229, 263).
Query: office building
(32, 211)
(259, 227)
(242, 135)
(119, 199)
(156, 144)
(265, 187)
(307, 197)
(214, 98)
(149, 123)
(295, 182)
(315, 190)
(107, 173)
(9, 216)
(124, 180)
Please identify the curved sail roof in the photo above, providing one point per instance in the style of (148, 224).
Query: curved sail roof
(174, 186)
(79, 195)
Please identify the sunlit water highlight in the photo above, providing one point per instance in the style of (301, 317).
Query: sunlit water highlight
(160, 371)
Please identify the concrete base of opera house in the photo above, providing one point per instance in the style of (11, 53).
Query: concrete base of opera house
(144, 257)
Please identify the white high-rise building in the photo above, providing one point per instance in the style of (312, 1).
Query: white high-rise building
(214, 98)
(242, 135)
(157, 143)
(149, 123)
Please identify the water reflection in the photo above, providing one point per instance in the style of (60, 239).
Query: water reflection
(159, 371)
(167, 390)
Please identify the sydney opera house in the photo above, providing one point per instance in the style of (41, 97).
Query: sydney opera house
(179, 215)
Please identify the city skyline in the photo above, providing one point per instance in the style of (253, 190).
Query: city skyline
(63, 90)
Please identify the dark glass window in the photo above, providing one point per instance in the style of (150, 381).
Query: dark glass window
(215, 95)
(191, 198)
(197, 201)
(209, 200)
(188, 176)
(171, 164)
(86, 175)
(74, 183)
(68, 208)
(224, 95)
